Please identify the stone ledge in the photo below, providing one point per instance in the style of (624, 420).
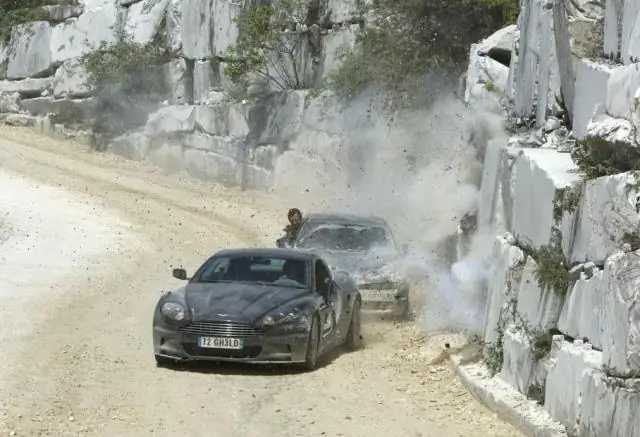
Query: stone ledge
(513, 407)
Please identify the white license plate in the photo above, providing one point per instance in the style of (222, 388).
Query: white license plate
(378, 295)
(220, 343)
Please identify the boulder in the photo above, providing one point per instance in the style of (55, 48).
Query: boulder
(27, 88)
(539, 177)
(206, 78)
(539, 308)
(613, 16)
(606, 212)
(28, 52)
(621, 96)
(538, 73)
(144, 19)
(171, 120)
(573, 366)
(211, 27)
(71, 81)
(222, 119)
(486, 78)
(582, 313)
(519, 368)
(46, 105)
(78, 36)
(60, 13)
(621, 314)
(502, 287)
(174, 25)
(175, 74)
(629, 20)
(608, 406)
(334, 43)
(499, 45)
(591, 89)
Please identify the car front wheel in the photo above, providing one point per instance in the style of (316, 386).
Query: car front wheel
(354, 335)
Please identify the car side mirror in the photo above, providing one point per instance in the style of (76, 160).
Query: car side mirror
(180, 274)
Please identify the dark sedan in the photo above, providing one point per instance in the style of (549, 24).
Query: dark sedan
(258, 306)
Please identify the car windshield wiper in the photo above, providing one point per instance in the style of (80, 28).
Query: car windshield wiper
(211, 281)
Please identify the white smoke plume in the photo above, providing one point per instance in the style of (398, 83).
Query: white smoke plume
(421, 173)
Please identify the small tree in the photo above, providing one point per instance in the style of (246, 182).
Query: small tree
(407, 41)
(128, 81)
(271, 43)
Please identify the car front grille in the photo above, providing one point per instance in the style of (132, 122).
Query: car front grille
(221, 329)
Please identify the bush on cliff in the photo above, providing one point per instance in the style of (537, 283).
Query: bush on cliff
(14, 12)
(128, 82)
(408, 40)
(271, 43)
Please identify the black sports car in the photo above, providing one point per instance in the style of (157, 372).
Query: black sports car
(258, 306)
(365, 247)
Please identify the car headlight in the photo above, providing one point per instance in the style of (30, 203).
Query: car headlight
(298, 319)
(173, 311)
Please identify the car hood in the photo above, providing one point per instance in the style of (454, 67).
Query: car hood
(364, 267)
(237, 301)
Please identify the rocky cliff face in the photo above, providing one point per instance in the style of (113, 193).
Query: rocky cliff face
(561, 319)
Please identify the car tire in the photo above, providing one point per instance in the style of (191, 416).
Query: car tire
(313, 345)
(354, 335)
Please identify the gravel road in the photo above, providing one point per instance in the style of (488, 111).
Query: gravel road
(77, 356)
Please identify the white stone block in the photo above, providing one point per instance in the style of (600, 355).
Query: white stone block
(612, 26)
(212, 166)
(76, 37)
(630, 13)
(26, 87)
(607, 211)
(206, 78)
(539, 175)
(225, 120)
(564, 53)
(63, 12)
(132, 145)
(71, 80)
(486, 78)
(502, 287)
(225, 146)
(582, 312)
(621, 89)
(608, 410)
(28, 52)
(340, 11)
(171, 120)
(591, 89)
(144, 19)
(569, 371)
(621, 313)
(174, 24)
(211, 27)
(539, 308)
(175, 74)
(519, 368)
(169, 157)
(500, 43)
(490, 185)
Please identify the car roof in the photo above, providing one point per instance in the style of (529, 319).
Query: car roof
(349, 219)
(268, 252)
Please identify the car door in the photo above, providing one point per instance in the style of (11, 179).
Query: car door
(323, 283)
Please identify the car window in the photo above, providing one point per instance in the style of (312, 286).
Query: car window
(285, 272)
(345, 237)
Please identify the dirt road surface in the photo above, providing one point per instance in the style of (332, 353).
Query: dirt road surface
(77, 357)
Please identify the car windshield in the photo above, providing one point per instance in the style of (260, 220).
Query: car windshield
(265, 270)
(345, 237)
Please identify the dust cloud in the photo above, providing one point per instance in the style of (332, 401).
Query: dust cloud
(422, 173)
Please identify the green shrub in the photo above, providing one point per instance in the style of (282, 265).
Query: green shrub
(69, 115)
(128, 82)
(409, 39)
(270, 47)
(15, 12)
